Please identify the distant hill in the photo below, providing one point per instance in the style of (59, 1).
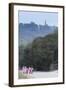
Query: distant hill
(29, 31)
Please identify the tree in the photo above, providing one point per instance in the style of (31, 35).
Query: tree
(41, 53)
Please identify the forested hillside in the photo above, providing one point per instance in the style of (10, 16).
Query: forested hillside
(41, 54)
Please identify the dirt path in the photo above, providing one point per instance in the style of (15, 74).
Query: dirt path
(44, 74)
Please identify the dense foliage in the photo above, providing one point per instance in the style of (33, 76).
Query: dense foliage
(41, 54)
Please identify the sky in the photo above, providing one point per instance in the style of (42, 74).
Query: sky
(38, 17)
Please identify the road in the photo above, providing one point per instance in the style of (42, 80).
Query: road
(44, 74)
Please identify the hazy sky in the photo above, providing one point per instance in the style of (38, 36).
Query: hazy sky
(38, 17)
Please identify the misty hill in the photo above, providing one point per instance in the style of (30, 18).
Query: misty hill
(29, 31)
